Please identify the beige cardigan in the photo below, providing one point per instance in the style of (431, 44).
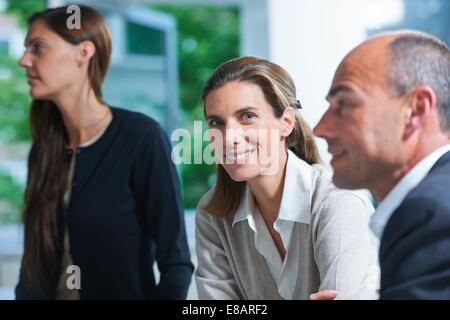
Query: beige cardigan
(337, 249)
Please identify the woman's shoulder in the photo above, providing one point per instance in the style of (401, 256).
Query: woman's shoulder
(325, 195)
(139, 131)
(322, 181)
(135, 122)
(205, 199)
(202, 212)
(204, 215)
(204, 220)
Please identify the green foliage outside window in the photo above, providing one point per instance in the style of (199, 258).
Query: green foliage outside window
(144, 40)
(11, 199)
(22, 9)
(14, 112)
(14, 102)
(207, 37)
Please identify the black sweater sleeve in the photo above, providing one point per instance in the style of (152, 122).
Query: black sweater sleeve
(157, 191)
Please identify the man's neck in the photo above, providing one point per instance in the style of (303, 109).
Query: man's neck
(390, 180)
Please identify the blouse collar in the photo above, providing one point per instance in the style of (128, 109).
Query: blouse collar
(296, 199)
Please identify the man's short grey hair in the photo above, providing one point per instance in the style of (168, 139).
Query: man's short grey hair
(417, 58)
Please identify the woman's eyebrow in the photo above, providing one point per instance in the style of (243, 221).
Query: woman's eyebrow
(249, 108)
(32, 40)
(212, 116)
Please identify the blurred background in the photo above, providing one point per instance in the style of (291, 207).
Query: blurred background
(163, 51)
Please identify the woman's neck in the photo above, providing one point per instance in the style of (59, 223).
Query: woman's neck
(84, 116)
(268, 190)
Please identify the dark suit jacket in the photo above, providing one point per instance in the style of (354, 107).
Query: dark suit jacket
(415, 246)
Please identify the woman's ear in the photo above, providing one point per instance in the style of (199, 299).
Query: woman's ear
(86, 51)
(287, 121)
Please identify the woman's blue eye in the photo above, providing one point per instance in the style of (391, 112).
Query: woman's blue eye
(37, 48)
(248, 116)
(215, 123)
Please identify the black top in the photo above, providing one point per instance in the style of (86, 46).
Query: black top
(415, 245)
(125, 211)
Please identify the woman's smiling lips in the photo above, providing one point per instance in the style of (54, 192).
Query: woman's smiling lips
(237, 157)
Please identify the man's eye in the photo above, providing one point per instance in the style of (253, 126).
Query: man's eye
(248, 116)
(341, 106)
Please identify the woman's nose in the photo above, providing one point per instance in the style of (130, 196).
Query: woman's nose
(25, 60)
(234, 135)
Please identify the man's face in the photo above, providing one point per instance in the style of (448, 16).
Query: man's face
(363, 125)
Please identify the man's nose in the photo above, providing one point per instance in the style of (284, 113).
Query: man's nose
(326, 126)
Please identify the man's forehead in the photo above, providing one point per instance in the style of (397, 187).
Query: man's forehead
(366, 64)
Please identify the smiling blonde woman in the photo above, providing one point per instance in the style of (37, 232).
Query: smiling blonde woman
(275, 234)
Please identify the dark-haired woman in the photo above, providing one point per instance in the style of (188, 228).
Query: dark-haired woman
(102, 194)
(274, 226)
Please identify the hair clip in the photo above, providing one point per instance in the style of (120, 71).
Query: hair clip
(298, 105)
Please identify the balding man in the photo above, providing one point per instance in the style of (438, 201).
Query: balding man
(387, 128)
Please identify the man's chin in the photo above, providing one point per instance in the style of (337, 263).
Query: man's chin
(342, 181)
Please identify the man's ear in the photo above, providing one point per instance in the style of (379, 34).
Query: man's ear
(86, 51)
(287, 121)
(420, 104)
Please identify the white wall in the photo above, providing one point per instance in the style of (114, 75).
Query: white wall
(309, 38)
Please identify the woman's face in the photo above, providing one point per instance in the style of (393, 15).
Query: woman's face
(50, 61)
(247, 138)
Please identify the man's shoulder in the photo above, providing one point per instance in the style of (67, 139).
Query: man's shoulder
(432, 192)
(430, 196)
(417, 234)
(425, 210)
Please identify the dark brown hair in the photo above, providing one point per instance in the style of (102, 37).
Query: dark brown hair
(47, 173)
(279, 91)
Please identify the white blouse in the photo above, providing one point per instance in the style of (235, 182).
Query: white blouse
(324, 231)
